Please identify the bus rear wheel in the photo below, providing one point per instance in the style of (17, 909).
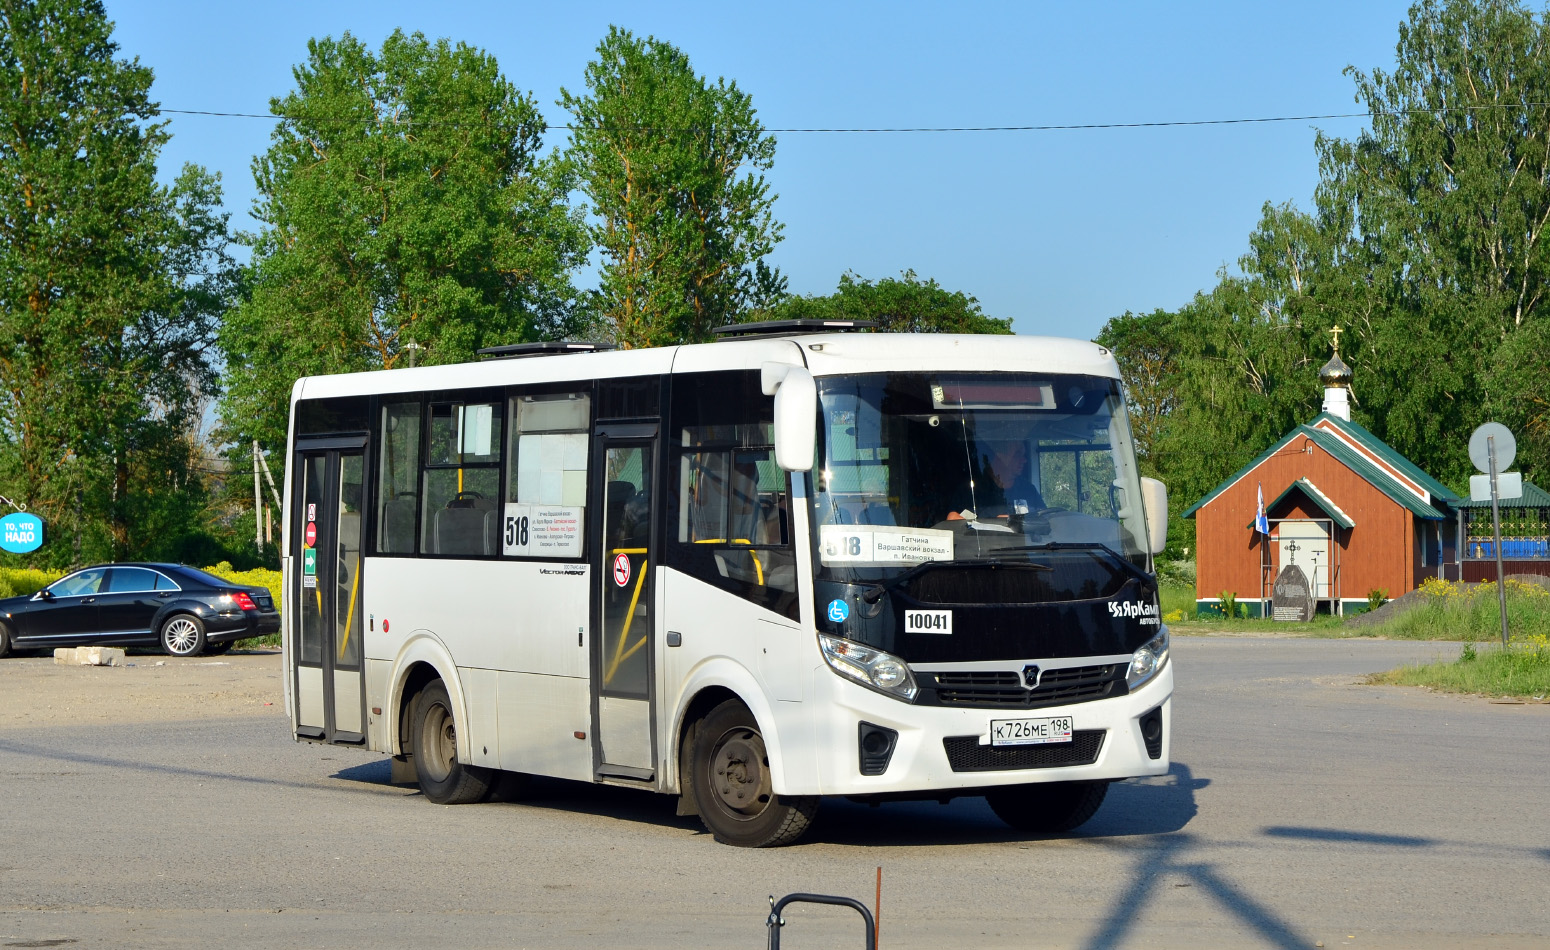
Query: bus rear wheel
(1048, 808)
(433, 735)
(732, 783)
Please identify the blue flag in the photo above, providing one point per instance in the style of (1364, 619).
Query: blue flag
(1261, 523)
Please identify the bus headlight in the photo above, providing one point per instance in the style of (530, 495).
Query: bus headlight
(871, 668)
(1145, 662)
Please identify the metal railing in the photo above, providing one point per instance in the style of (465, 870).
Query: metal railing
(775, 921)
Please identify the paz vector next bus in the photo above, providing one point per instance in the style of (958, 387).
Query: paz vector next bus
(800, 561)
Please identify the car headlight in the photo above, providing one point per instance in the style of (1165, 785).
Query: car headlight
(1145, 662)
(871, 668)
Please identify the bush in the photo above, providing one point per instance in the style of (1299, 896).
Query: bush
(22, 581)
(1457, 611)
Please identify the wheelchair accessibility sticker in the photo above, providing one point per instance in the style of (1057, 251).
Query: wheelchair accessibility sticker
(838, 610)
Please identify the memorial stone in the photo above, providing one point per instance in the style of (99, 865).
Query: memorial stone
(1291, 599)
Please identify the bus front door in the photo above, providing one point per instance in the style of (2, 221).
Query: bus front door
(622, 656)
(326, 591)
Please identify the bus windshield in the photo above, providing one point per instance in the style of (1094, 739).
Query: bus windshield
(978, 468)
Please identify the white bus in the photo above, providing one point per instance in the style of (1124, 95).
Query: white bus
(797, 562)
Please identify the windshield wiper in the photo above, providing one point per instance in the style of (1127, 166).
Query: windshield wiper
(875, 593)
(1091, 547)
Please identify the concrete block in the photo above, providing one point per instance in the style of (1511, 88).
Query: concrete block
(99, 656)
(88, 656)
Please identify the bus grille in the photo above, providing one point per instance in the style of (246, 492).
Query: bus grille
(965, 754)
(1003, 689)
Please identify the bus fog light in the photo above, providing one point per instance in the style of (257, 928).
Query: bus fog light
(870, 667)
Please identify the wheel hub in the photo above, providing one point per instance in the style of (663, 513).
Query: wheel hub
(740, 773)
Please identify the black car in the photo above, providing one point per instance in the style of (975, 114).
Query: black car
(182, 609)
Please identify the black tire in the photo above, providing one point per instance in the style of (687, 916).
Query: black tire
(183, 635)
(433, 736)
(5, 640)
(219, 649)
(1049, 808)
(731, 784)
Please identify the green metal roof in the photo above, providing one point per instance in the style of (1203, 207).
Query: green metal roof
(1533, 497)
(1355, 461)
(1318, 498)
(1386, 452)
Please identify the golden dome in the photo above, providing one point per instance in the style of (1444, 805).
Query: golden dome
(1335, 373)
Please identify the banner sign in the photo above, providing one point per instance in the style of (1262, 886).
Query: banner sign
(21, 532)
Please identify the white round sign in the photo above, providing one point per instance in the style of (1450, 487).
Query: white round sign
(1479, 447)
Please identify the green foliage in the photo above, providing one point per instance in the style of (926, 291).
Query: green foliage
(110, 288)
(1229, 605)
(404, 200)
(672, 166)
(1376, 598)
(1426, 243)
(905, 304)
(21, 581)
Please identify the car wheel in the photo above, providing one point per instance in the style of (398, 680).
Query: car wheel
(732, 784)
(5, 640)
(183, 635)
(219, 649)
(1049, 808)
(433, 734)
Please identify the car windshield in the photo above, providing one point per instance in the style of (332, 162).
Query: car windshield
(997, 468)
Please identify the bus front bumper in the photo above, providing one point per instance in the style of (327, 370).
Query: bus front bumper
(948, 748)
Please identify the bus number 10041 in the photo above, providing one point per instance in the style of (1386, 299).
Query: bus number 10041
(928, 621)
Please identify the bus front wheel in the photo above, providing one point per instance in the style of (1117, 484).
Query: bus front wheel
(732, 783)
(433, 734)
(1048, 808)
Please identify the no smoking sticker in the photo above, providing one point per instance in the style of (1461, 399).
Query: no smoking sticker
(621, 569)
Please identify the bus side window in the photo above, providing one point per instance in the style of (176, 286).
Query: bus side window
(398, 479)
(462, 479)
(730, 502)
(544, 511)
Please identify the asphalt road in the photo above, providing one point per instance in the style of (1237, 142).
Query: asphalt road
(166, 807)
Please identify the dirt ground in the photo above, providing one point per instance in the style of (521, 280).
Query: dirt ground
(149, 687)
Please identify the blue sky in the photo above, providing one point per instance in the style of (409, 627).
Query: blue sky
(1059, 230)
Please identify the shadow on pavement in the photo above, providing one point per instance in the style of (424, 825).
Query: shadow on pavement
(1339, 834)
(1151, 806)
(1168, 857)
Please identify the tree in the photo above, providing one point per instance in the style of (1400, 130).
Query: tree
(905, 304)
(402, 200)
(683, 229)
(1442, 208)
(110, 286)
(1427, 243)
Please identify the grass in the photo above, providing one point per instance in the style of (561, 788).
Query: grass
(1520, 670)
(1453, 611)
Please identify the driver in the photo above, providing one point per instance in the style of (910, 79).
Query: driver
(1004, 490)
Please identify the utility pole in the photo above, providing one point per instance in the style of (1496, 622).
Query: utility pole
(258, 505)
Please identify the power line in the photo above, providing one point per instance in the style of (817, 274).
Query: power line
(1074, 127)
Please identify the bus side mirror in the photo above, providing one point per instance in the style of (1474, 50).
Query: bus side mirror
(1154, 501)
(796, 414)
